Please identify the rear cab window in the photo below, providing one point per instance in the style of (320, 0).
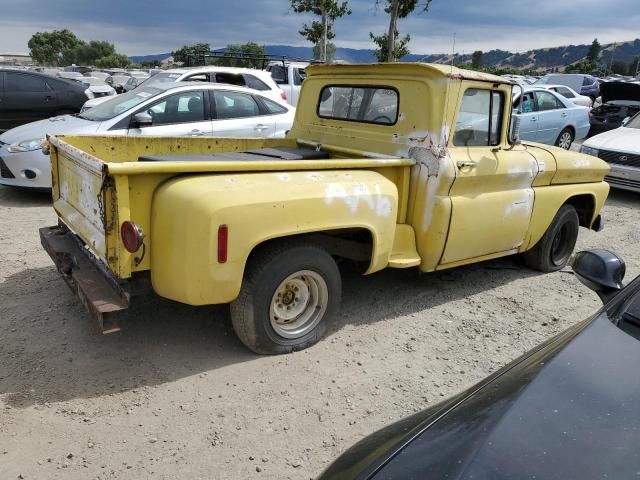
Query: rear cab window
(359, 103)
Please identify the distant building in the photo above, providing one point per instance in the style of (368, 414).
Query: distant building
(15, 59)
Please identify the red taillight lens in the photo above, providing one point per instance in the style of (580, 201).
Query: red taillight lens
(132, 236)
(223, 243)
(283, 94)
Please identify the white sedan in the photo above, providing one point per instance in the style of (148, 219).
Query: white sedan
(620, 148)
(169, 109)
(570, 94)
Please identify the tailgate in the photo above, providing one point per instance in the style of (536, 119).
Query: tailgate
(79, 194)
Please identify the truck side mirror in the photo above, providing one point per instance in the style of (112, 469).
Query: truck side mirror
(600, 270)
(142, 119)
(514, 131)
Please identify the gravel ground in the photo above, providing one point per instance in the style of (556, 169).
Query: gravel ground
(175, 395)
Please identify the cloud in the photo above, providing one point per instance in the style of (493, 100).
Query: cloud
(146, 26)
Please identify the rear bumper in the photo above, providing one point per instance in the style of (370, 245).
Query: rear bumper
(98, 290)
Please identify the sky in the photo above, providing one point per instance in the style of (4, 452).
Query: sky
(142, 27)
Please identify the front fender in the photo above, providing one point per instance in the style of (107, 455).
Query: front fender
(187, 212)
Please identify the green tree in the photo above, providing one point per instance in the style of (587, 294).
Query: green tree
(620, 67)
(250, 49)
(330, 54)
(53, 48)
(192, 54)
(593, 55)
(476, 60)
(396, 47)
(89, 53)
(115, 60)
(320, 32)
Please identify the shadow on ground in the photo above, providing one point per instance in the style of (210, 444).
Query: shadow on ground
(51, 352)
(24, 197)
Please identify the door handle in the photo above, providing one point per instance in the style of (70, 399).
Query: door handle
(196, 133)
(48, 97)
(534, 119)
(563, 115)
(468, 164)
(261, 127)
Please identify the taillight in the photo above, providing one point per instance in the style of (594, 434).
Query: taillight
(283, 94)
(223, 243)
(132, 236)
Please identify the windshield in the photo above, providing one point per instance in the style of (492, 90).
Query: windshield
(119, 104)
(634, 122)
(164, 77)
(573, 81)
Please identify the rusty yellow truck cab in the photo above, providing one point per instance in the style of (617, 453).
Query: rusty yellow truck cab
(390, 165)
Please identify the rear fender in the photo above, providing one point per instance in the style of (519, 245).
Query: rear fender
(257, 207)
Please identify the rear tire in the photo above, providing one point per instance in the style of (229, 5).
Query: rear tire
(289, 296)
(565, 139)
(555, 247)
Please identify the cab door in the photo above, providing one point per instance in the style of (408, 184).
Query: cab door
(491, 196)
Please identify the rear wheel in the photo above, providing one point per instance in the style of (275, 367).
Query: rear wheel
(554, 249)
(290, 294)
(565, 139)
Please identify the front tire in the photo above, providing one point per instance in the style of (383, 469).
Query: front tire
(289, 296)
(565, 139)
(555, 247)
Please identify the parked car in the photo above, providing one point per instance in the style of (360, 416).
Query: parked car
(242, 77)
(289, 77)
(548, 117)
(583, 84)
(564, 410)
(620, 100)
(118, 80)
(620, 148)
(169, 109)
(132, 83)
(97, 87)
(29, 96)
(570, 94)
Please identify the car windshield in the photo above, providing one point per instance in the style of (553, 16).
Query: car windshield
(119, 104)
(634, 122)
(164, 77)
(573, 81)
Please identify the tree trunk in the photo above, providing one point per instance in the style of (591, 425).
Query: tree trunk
(391, 36)
(323, 42)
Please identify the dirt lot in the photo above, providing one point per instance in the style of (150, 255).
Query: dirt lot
(175, 395)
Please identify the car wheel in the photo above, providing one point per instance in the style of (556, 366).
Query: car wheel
(565, 139)
(290, 294)
(555, 247)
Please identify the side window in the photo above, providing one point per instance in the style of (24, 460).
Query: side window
(586, 81)
(179, 108)
(279, 74)
(255, 83)
(565, 92)
(235, 105)
(546, 101)
(273, 107)
(480, 118)
(20, 82)
(197, 77)
(298, 76)
(230, 79)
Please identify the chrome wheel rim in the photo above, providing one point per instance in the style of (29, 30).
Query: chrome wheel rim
(298, 304)
(565, 141)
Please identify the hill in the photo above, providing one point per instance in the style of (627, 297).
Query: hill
(539, 59)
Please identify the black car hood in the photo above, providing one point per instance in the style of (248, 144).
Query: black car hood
(549, 415)
(611, 91)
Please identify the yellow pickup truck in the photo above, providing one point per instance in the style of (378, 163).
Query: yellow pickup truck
(390, 165)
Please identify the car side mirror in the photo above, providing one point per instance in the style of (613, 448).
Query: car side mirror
(142, 119)
(514, 132)
(625, 121)
(600, 270)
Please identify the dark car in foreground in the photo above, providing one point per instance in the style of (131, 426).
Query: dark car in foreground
(620, 100)
(567, 410)
(27, 96)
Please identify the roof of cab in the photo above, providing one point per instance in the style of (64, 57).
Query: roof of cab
(411, 68)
